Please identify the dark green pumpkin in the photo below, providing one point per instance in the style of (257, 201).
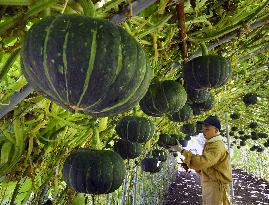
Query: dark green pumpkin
(85, 64)
(94, 171)
(204, 106)
(207, 72)
(250, 99)
(164, 97)
(197, 96)
(241, 132)
(254, 135)
(183, 142)
(254, 147)
(243, 143)
(234, 129)
(159, 154)
(127, 150)
(260, 149)
(262, 135)
(266, 144)
(253, 125)
(166, 140)
(184, 114)
(231, 133)
(198, 127)
(135, 129)
(151, 165)
(235, 116)
(188, 128)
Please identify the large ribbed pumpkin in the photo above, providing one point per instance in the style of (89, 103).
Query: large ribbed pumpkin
(151, 165)
(250, 99)
(159, 154)
(197, 96)
(188, 128)
(182, 115)
(126, 149)
(166, 140)
(94, 171)
(203, 106)
(135, 129)
(164, 97)
(85, 64)
(207, 72)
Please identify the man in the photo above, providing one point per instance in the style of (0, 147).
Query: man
(213, 165)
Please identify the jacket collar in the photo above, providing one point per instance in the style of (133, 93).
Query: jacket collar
(215, 139)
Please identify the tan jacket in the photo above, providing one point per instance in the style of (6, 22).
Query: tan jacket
(213, 164)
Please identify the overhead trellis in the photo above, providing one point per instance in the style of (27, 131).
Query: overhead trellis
(42, 134)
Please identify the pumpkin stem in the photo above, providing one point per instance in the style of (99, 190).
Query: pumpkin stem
(88, 8)
(135, 109)
(96, 142)
(204, 49)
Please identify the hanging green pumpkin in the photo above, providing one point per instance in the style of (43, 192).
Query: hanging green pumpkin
(166, 140)
(184, 114)
(151, 165)
(159, 154)
(85, 64)
(203, 106)
(188, 128)
(234, 128)
(164, 97)
(253, 125)
(250, 99)
(127, 150)
(135, 129)
(94, 171)
(197, 96)
(207, 72)
(235, 116)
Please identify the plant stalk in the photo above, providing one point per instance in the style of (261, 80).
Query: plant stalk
(182, 31)
(16, 2)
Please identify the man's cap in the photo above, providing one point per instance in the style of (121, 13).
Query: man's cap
(212, 120)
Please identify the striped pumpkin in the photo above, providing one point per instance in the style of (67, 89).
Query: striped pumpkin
(164, 97)
(166, 140)
(151, 165)
(188, 128)
(85, 64)
(94, 171)
(127, 150)
(250, 99)
(184, 114)
(207, 72)
(159, 154)
(197, 96)
(135, 129)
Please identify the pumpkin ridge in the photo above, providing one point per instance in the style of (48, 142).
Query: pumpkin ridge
(45, 65)
(133, 100)
(127, 128)
(164, 96)
(116, 75)
(194, 74)
(153, 102)
(65, 63)
(208, 72)
(90, 66)
(219, 75)
(86, 181)
(134, 74)
(229, 71)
